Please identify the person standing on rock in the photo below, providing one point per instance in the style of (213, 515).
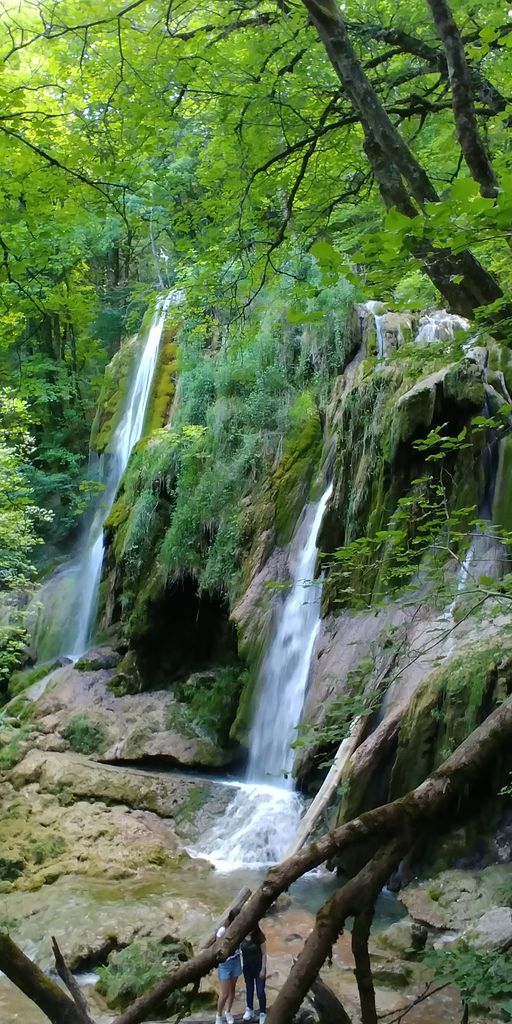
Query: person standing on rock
(254, 958)
(229, 972)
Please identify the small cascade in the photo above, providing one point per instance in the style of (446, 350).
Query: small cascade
(259, 824)
(373, 306)
(81, 579)
(439, 326)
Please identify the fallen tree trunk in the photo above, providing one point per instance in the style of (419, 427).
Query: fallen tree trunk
(366, 760)
(359, 892)
(325, 793)
(363, 971)
(235, 904)
(31, 980)
(71, 983)
(327, 1004)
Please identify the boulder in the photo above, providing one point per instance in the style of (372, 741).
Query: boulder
(98, 658)
(493, 930)
(136, 726)
(86, 779)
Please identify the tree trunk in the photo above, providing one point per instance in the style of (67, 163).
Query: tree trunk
(235, 904)
(360, 892)
(327, 1004)
(466, 125)
(363, 970)
(367, 760)
(57, 1006)
(325, 793)
(70, 982)
(393, 163)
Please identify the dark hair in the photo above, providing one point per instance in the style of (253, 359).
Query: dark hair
(232, 914)
(257, 935)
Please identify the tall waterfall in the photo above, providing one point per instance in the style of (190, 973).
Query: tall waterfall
(261, 821)
(77, 603)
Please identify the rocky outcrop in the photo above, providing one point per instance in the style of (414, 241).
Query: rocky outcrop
(136, 726)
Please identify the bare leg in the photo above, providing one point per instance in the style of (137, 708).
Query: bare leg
(231, 996)
(225, 989)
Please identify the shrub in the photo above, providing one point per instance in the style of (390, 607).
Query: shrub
(84, 735)
(15, 749)
(47, 849)
(132, 970)
(213, 700)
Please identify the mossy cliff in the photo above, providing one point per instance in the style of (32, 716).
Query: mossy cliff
(238, 430)
(231, 454)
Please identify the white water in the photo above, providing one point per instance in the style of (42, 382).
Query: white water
(258, 826)
(82, 578)
(373, 306)
(439, 326)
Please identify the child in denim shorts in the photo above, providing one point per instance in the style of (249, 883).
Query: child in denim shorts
(229, 971)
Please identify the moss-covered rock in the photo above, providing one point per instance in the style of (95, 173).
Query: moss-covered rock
(464, 385)
(415, 410)
(163, 388)
(291, 480)
(447, 707)
(502, 502)
(116, 383)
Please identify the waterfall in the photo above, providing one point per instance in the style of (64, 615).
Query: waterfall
(76, 599)
(439, 326)
(372, 306)
(259, 824)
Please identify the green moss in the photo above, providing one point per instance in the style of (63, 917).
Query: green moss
(446, 708)
(84, 735)
(118, 514)
(464, 385)
(164, 380)
(127, 678)
(116, 383)
(194, 801)
(47, 849)
(502, 502)
(20, 681)
(131, 971)
(14, 750)
(292, 479)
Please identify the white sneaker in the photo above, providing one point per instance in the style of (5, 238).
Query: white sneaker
(229, 1018)
(263, 1018)
(218, 1019)
(248, 1015)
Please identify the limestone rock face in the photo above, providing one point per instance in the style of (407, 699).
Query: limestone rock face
(137, 726)
(86, 779)
(493, 930)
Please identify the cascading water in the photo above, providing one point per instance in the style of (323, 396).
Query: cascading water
(81, 579)
(261, 821)
(439, 326)
(373, 307)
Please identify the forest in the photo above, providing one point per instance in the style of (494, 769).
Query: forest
(255, 508)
